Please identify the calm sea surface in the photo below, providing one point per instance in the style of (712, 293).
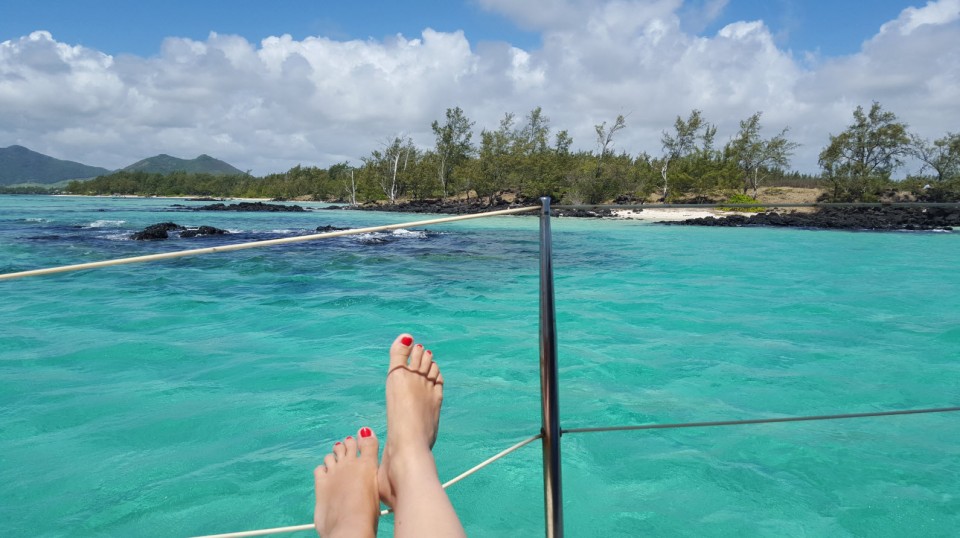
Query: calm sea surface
(195, 396)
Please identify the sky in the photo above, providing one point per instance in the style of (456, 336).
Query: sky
(266, 86)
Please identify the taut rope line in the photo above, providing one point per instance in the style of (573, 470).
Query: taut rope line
(257, 244)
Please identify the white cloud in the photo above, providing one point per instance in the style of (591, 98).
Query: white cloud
(934, 14)
(267, 106)
(912, 73)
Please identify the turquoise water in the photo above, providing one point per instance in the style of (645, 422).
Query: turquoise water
(195, 396)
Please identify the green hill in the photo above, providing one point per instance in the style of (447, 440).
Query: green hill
(19, 165)
(165, 164)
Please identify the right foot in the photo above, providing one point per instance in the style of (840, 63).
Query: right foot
(346, 486)
(414, 396)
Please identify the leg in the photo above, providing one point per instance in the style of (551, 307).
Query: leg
(407, 477)
(348, 502)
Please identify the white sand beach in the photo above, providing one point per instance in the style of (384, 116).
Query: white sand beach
(667, 214)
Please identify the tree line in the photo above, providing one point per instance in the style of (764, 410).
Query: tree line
(526, 156)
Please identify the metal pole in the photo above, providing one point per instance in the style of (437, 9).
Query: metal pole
(552, 489)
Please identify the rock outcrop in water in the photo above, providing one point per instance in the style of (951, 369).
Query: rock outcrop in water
(202, 230)
(155, 231)
(844, 218)
(162, 230)
(250, 206)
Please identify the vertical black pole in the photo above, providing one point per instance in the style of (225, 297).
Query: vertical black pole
(552, 489)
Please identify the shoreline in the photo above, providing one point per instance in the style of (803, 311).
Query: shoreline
(667, 214)
(875, 218)
(188, 198)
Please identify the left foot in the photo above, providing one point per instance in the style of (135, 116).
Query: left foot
(348, 502)
(414, 397)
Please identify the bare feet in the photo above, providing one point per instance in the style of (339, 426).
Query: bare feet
(346, 485)
(407, 477)
(414, 396)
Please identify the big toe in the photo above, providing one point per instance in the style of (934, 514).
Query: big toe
(400, 351)
(368, 444)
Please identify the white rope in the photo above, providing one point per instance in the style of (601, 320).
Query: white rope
(310, 526)
(263, 532)
(486, 462)
(256, 244)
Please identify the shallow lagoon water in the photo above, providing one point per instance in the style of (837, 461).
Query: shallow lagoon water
(195, 396)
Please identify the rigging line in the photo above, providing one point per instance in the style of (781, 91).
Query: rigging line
(262, 532)
(760, 420)
(488, 461)
(257, 244)
(310, 526)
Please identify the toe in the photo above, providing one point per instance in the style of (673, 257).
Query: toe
(339, 450)
(368, 443)
(400, 351)
(350, 447)
(434, 372)
(329, 461)
(438, 389)
(416, 357)
(425, 362)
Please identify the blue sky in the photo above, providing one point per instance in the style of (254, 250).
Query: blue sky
(110, 82)
(832, 27)
(122, 26)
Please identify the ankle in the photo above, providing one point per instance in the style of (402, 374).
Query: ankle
(361, 530)
(411, 462)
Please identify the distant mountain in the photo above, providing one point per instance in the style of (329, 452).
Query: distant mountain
(20, 165)
(165, 164)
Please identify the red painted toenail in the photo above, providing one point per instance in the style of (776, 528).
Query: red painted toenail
(420, 346)
(337, 443)
(365, 432)
(406, 340)
(349, 437)
(430, 352)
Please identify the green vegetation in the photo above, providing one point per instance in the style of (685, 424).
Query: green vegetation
(314, 182)
(751, 153)
(27, 189)
(525, 156)
(743, 199)
(942, 157)
(858, 162)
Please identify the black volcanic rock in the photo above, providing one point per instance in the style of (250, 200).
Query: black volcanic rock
(250, 206)
(844, 218)
(436, 206)
(159, 231)
(468, 207)
(203, 230)
(156, 231)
